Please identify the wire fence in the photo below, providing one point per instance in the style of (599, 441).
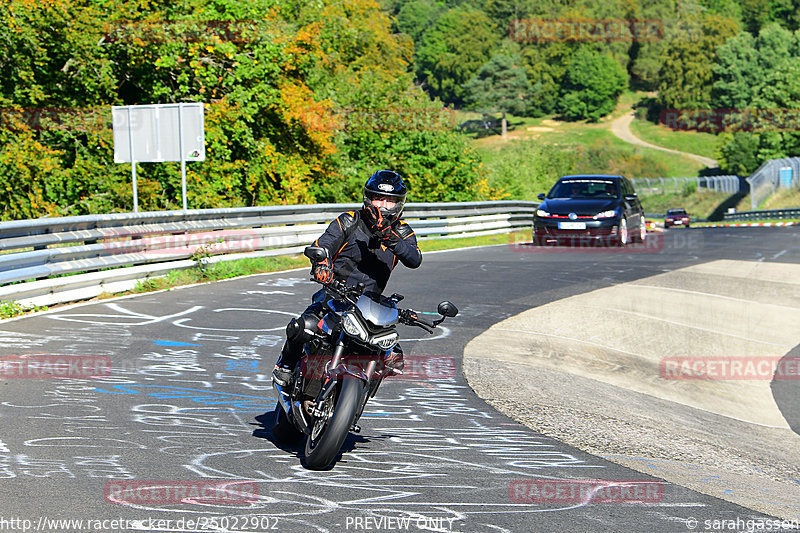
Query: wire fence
(773, 174)
(728, 184)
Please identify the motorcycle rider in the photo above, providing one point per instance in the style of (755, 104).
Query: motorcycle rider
(363, 247)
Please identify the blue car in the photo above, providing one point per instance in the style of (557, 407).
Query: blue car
(590, 209)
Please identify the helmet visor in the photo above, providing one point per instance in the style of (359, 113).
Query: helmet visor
(390, 205)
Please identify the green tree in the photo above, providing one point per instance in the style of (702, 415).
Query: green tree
(686, 75)
(453, 50)
(758, 13)
(593, 84)
(737, 153)
(415, 17)
(500, 85)
(545, 66)
(769, 127)
(737, 72)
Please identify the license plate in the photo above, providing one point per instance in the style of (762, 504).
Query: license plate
(679, 222)
(572, 225)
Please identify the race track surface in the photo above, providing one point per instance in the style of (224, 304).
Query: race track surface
(189, 401)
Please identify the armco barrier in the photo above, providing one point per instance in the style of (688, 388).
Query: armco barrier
(769, 214)
(34, 254)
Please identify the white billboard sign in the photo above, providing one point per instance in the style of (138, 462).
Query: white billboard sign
(158, 133)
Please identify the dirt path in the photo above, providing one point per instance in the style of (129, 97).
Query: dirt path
(621, 127)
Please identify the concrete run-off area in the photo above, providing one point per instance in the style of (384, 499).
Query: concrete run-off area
(689, 376)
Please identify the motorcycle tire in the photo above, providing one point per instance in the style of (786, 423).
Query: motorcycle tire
(321, 452)
(283, 429)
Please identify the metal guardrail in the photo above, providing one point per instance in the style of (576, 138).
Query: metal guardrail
(769, 214)
(35, 254)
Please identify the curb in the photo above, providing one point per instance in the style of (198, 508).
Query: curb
(749, 224)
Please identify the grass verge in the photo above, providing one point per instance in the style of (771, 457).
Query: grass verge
(11, 309)
(693, 142)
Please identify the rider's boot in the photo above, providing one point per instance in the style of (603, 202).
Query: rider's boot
(284, 367)
(296, 336)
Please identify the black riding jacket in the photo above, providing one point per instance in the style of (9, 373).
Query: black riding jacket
(359, 257)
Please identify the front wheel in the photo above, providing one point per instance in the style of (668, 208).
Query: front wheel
(622, 236)
(329, 432)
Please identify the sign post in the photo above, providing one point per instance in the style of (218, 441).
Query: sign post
(158, 133)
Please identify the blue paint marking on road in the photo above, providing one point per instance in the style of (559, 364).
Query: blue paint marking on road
(237, 403)
(174, 343)
(245, 366)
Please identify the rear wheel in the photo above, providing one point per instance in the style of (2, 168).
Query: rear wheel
(329, 432)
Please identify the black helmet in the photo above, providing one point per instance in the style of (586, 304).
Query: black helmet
(386, 183)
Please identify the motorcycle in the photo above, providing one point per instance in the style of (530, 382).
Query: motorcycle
(342, 367)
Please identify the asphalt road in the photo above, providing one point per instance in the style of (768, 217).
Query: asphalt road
(188, 401)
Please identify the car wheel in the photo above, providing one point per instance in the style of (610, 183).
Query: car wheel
(622, 235)
(642, 230)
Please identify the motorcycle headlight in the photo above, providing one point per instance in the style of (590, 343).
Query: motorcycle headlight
(606, 214)
(353, 327)
(542, 213)
(386, 341)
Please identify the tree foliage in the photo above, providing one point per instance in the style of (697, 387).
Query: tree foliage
(593, 85)
(686, 76)
(759, 78)
(278, 80)
(499, 85)
(457, 45)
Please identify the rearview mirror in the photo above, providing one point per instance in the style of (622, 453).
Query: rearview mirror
(447, 309)
(316, 253)
(541, 196)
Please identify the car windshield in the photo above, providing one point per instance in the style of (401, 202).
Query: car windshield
(676, 211)
(585, 188)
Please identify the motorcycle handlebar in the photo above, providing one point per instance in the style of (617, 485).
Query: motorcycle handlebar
(411, 318)
(407, 316)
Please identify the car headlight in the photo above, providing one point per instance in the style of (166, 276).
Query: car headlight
(386, 342)
(541, 213)
(352, 327)
(606, 214)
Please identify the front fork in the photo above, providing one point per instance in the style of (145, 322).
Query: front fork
(335, 371)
